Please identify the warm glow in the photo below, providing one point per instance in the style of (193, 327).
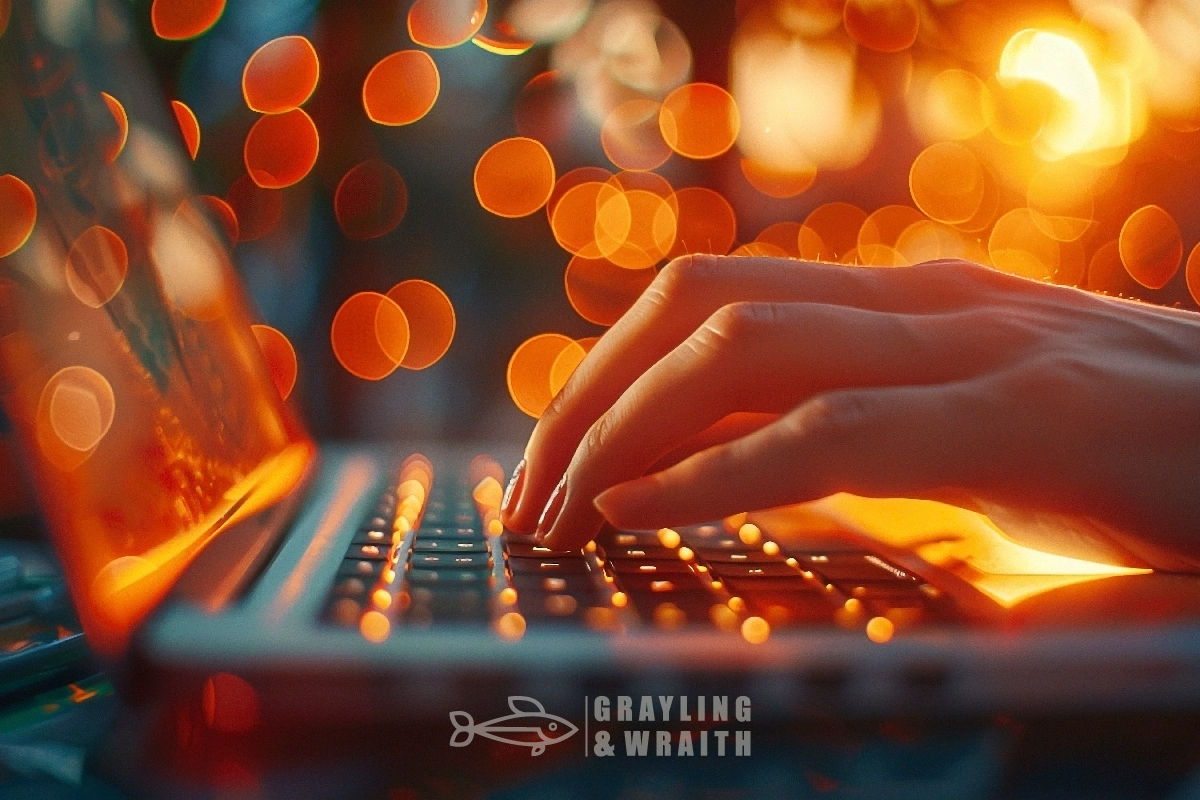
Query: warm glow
(643, 232)
(445, 23)
(281, 75)
(510, 626)
(375, 627)
(1192, 274)
(281, 149)
(600, 291)
(258, 210)
(184, 19)
(488, 492)
(947, 184)
(502, 40)
(756, 630)
(669, 538)
(18, 213)
(699, 120)
(949, 105)
(705, 223)
(280, 357)
(572, 179)
(96, 266)
(888, 26)
(189, 127)
(371, 200)
(881, 230)
(1091, 114)
(880, 630)
(750, 534)
(514, 177)
(369, 335)
(111, 145)
(967, 544)
(783, 235)
(431, 321)
(401, 88)
(631, 137)
(577, 224)
(528, 373)
(1151, 246)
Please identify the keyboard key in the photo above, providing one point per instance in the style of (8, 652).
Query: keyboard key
(548, 566)
(658, 553)
(350, 587)
(525, 583)
(426, 576)
(428, 532)
(527, 550)
(648, 567)
(782, 609)
(740, 555)
(423, 545)
(691, 606)
(761, 570)
(372, 552)
(360, 568)
(455, 560)
(860, 566)
(644, 582)
(370, 536)
(796, 584)
(440, 603)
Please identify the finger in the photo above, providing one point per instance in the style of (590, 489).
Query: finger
(733, 426)
(684, 294)
(752, 357)
(908, 441)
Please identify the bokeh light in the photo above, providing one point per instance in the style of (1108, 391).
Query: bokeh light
(529, 369)
(279, 356)
(782, 235)
(631, 137)
(18, 214)
(601, 291)
(778, 183)
(431, 321)
(1060, 197)
(947, 182)
(1151, 246)
(564, 366)
(888, 26)
(112, 144)
(1018, 246)
(699, 120)
(223, 214)
(281, 149)
(830, 231)
(503, 40)
(949, 106)
(184, 19)
(572, 179)
(880, 630)
(928, 240)
(576, 219)
(881, 230)
(1192, 274)
(189, 127)
(258, 210)
(649, 226)
(281, 75)
(445, 23)
(370, 200)
(401, 88)
(514, 177)
(706, 223)
(370, 335)
(75, 412)
(96, 266)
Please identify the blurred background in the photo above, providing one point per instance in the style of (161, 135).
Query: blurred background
(1028, 135)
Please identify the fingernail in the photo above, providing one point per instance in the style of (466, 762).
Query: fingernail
(553, 507)
(513, 493)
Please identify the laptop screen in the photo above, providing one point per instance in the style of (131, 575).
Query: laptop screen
(131, 372)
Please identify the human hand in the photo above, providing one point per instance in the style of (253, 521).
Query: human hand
(944, 380)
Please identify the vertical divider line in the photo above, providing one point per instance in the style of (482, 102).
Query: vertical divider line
(585, 726)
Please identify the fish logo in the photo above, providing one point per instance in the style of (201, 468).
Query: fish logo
(528, 726)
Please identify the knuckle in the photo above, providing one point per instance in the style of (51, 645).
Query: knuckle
(685, 276)
(738, 322)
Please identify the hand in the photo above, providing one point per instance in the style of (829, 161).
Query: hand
(944, 380)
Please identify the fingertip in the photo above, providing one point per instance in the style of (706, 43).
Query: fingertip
(628, 504)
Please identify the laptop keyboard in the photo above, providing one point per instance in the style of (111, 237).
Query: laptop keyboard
(434, 552)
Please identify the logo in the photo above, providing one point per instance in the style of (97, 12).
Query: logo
(528, 726)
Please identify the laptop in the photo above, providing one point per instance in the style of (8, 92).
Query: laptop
(342, 584)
